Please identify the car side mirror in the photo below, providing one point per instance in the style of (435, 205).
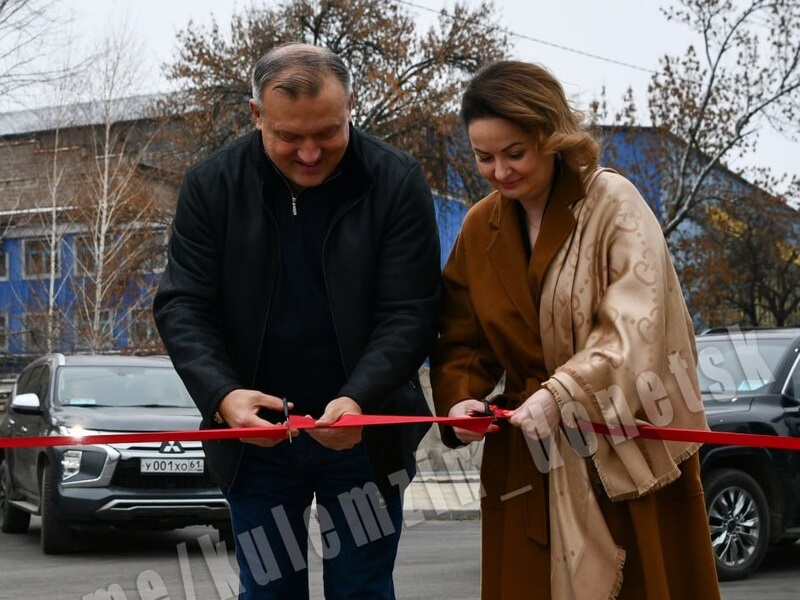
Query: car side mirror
(26, 403)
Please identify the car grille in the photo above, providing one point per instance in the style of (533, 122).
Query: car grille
(127, 475)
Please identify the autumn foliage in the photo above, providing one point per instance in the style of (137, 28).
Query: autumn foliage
(406, 82)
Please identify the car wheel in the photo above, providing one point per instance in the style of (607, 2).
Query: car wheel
(56, 535)
(738, 516)
(12, 519)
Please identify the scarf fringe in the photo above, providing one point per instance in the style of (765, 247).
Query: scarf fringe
(620, 562)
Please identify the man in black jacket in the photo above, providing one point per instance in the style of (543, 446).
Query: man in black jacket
(304, 264)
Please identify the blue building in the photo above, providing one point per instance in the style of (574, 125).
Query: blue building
(49, 291)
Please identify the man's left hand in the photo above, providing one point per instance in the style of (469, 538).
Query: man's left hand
(337, 438)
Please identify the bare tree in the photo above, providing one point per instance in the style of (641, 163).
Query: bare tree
(706, 109)
(116, 247)
(715, 99)
(32, 34)
(42, 296)
(93, 232)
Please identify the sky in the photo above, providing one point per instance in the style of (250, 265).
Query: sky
(587, 44)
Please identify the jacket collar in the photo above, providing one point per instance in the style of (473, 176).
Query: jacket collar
(507, 252)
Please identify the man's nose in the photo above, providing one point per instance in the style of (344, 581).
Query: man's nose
(309, 152)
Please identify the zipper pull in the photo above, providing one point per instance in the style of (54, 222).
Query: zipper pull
(294, 205)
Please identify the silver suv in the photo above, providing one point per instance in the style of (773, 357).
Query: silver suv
(159, 485)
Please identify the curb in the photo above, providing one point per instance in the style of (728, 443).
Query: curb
(441, 497)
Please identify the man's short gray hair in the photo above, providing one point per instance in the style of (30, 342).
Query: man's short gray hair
(298, 70)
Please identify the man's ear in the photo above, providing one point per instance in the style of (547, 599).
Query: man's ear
(256, 113)
(350, 102)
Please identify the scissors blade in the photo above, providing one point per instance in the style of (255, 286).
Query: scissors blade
(286, 418)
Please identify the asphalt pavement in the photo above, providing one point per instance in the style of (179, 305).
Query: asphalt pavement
(438, 559)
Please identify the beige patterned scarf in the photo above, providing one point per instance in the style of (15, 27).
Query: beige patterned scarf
(619, 342)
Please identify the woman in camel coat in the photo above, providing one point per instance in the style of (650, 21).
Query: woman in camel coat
(561, 281)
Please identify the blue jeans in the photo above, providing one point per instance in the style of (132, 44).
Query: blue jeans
(270, 508)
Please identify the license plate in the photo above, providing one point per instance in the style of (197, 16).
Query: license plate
(172, 465)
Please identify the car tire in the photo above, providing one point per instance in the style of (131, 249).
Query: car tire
(12, 519)
(57, 537)
(738, 516)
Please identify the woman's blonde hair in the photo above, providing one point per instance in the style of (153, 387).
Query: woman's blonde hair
(532, 98)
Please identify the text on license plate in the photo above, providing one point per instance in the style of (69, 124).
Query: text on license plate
(172, 465)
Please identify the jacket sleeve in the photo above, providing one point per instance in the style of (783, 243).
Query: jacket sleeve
(187, 305)
(407, 291)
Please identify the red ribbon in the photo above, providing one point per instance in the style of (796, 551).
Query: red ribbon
(477, 424)
(717, 438)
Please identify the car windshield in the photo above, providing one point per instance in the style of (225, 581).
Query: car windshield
(121, 386)
(727, 366)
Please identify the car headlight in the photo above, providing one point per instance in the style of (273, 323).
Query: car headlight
(70, 464)
(84, 464)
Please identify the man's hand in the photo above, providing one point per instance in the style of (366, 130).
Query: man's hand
(240, 409)
(337, 438)
(467, 408)
(538, 416)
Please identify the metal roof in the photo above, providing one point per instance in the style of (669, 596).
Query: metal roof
(81, 114)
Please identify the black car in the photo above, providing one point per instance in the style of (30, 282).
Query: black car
(750, 380)
(159, 485)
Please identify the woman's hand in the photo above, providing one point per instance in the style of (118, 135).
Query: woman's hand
(538, 416)
(467, 408)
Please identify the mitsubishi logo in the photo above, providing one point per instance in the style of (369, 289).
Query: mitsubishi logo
(171, 448)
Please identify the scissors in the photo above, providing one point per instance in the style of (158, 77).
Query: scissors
(486, 412)
(497, 408)
(286, 417)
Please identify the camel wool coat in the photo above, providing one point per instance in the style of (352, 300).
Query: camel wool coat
(595, 313)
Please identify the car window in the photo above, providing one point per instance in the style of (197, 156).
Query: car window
(34, 381)
(728, 366)
(23, 383)
(121, 386)
(793, 382)
(43, 382)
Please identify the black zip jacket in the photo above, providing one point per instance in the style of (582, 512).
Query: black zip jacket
(382, 278)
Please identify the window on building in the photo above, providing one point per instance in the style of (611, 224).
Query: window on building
(37, 336)
(83, 255)
(142, 332)
(89, 336)
(3, 332)
(37, 254)
(3, 264)
(153, 247)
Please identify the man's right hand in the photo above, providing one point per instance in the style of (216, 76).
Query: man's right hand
(240, 409)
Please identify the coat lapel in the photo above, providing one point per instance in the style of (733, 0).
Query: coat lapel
(508, 258)
(558, 223)
(507, 253)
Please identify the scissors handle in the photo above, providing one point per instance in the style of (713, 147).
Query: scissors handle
(486, 412)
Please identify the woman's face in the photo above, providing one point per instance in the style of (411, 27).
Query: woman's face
(509, 160)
